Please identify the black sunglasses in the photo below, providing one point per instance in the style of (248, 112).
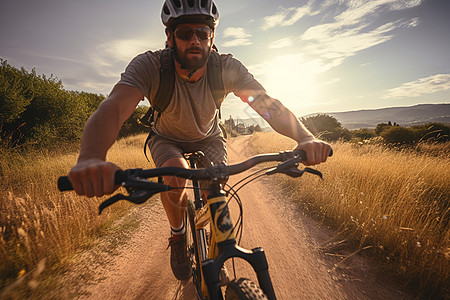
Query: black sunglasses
(186, 33)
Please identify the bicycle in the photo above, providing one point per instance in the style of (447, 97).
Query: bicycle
(208, 251)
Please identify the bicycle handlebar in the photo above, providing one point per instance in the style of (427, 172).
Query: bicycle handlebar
(141, 189)
(212, 172)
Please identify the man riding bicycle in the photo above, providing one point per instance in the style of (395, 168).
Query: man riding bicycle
(190, 122)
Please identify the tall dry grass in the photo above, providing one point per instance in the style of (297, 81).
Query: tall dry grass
(41, 227)
(393, 203)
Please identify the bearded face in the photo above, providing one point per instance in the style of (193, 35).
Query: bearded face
(192, 43)
(194, 57)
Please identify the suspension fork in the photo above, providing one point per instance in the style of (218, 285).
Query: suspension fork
(223, 234)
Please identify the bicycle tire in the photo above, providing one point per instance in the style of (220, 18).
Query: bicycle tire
(244, 289)
(193, 250)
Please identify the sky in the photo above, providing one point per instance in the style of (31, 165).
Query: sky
(312, 55)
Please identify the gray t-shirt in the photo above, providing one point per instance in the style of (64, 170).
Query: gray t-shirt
(191, 114)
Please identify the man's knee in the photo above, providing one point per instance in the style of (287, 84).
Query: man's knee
(175, 162)
(178, 162)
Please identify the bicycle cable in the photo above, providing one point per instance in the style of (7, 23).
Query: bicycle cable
(233, 194)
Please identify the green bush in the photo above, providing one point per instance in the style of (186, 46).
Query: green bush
(432, 132)
(399, 135)
(132, 125)
(382, 127)
(363, 133)
(326, 127)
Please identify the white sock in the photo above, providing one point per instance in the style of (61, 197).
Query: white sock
(178, 231)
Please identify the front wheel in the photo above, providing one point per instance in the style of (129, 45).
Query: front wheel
(243, 289)
(193, 249)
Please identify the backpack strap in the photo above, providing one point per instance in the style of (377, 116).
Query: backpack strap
(166, 81)
(165, 89)
(214, 74)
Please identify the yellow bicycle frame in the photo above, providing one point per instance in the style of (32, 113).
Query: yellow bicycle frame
(217, 214)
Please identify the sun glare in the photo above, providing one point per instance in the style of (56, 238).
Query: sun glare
(291, 80)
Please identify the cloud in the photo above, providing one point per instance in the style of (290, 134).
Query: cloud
(332, 44)
(332, 81)
(123, 50)
(103, 63)
(357, 10)
(240, 37)
(404, 4)
(286, 16)
(235, 32)
(419, 87)
(411, 23)
(354, 29)
(281, 43)
(236, 43)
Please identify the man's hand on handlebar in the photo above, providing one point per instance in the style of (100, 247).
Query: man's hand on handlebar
(317, 151)
(93, 177)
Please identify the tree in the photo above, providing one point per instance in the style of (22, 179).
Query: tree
(37, 110)
(15, 92)
(326, 127)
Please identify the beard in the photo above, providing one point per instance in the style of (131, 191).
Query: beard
(193, 63)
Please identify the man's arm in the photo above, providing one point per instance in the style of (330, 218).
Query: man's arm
(92, 176)
(283, 121)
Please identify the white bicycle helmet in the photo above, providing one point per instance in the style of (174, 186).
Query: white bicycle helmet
(175, 12)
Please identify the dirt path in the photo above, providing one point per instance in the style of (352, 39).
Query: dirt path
(299, 267)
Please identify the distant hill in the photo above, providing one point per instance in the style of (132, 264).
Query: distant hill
(404, 116)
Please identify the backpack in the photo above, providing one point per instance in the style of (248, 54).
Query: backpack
(167, 86)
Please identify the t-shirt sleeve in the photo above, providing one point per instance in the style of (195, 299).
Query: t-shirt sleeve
(140, 73)
(235, 75)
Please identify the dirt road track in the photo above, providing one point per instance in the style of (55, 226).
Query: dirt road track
(299, 267)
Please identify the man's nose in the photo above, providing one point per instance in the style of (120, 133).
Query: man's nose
(195, 39)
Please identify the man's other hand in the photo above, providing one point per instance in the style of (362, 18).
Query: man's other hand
(317, 151)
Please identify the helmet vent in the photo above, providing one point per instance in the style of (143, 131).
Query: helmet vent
(177, 3)
(203, 3)
(214, 9)
(190, 3)
(166, 9)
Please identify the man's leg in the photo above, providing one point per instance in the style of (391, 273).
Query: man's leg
(175, 203)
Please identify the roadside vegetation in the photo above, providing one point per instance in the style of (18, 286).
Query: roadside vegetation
(390, 203)
(42, 228)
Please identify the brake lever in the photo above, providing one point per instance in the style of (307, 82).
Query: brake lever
(290, 168)
(136, 197)
(140, 190)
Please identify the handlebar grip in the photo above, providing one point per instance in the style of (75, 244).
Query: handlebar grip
(64, 183)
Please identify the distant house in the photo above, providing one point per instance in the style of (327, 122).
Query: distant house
(241, 129)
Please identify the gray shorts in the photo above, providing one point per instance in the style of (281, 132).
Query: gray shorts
(213, 147)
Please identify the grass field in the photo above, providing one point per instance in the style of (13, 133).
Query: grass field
(40, 227)
(394, 204)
